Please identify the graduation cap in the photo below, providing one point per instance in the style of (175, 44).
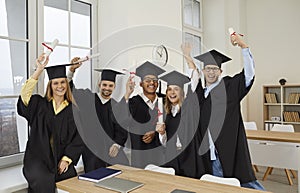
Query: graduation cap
(175, 78)
(108, 74)
(148, 68)
(213, 57)
(58, 71)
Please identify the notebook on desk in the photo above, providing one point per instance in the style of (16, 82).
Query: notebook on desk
(119, 184)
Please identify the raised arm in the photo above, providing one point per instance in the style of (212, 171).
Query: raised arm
(27, 88)
(249, 67)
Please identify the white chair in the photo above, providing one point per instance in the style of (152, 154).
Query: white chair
(251, 126)
(164, 170)
(282, 128)
(220, 180)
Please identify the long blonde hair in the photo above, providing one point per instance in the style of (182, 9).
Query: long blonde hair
(68, 95)
(168, 104)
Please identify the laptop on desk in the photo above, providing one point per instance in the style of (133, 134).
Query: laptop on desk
(119, 184)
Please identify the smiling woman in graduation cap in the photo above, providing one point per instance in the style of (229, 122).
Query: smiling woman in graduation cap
(181, 124)
(54, 145)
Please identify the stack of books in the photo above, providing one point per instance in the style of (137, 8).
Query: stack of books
(294, 98)
(271, 98)
(291, 116)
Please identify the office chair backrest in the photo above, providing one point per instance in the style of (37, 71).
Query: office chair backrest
(164, 170)
(250, 125)
(220, 180)
(283, 128)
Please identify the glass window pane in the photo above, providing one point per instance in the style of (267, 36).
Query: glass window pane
(12, 140)
(55, 24)
(60, 55)
(12, 67)
(13, 18)
(196, 44)
(196, 14)
(188, 16)
(80, 24)
(83, 74)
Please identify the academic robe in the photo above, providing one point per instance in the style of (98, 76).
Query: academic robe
(40, 159)
(99, 129)
(184, 124)
(143, 119)
(223, 106)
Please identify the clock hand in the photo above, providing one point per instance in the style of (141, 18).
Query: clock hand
(159, 53)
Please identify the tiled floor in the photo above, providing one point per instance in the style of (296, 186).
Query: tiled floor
(277, 182)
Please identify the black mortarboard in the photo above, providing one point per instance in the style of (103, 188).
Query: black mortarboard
(213, 57)
(148, 68)
(175, 78)
(58, 71)
(108, 74)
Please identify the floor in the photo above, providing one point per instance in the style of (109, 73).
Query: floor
(277, 182)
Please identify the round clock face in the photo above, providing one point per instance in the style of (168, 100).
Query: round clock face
(160, 55)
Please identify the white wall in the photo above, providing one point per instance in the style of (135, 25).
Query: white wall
(273, 31)
(129, 30)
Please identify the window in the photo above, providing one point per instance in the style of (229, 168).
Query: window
(14, 55)
(73, 32)
(192, 25)
(21, 35)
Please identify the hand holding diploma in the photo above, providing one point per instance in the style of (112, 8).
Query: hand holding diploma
(236, 39)
(160, 128)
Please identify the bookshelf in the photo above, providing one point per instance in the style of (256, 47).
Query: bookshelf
(281, 105)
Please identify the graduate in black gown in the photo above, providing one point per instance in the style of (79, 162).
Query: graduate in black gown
(181, 123)
(224, 145)
(104, 138)
(143, 115)
(54, 145)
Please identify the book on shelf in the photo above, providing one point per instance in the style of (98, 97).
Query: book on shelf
(293, 98)
(271, 98)
(99, 174)
(291, 116)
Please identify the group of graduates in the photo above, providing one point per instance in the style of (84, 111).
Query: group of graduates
(202, 131)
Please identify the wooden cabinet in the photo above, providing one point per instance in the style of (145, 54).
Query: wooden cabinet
(281, 105)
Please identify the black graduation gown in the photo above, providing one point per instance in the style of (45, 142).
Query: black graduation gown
(184, 125)
(40, 161)
(144, 120)
(93, 116)
(223, 106)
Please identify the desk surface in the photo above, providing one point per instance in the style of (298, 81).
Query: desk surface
(273, 136)
(153, 182)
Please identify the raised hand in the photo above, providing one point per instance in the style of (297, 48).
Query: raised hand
(75, 64)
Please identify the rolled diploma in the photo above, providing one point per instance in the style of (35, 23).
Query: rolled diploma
(160, 108)
(53, 45)
(49, 51)
(86, 58)
(231, 31)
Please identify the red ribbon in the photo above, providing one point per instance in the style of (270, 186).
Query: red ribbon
(48, 47)
(234, 33)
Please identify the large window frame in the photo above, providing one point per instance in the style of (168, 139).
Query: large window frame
(191, 30)
(35, 35)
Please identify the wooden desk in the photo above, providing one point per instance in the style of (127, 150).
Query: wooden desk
(275, 149)
(153, 182)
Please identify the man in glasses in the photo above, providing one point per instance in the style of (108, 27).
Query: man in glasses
(145, 141)
(224, 146)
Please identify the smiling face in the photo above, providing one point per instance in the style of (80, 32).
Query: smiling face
(59, 87)
(106, 88)
(211, 73)
(174, 94)
(149, 84)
